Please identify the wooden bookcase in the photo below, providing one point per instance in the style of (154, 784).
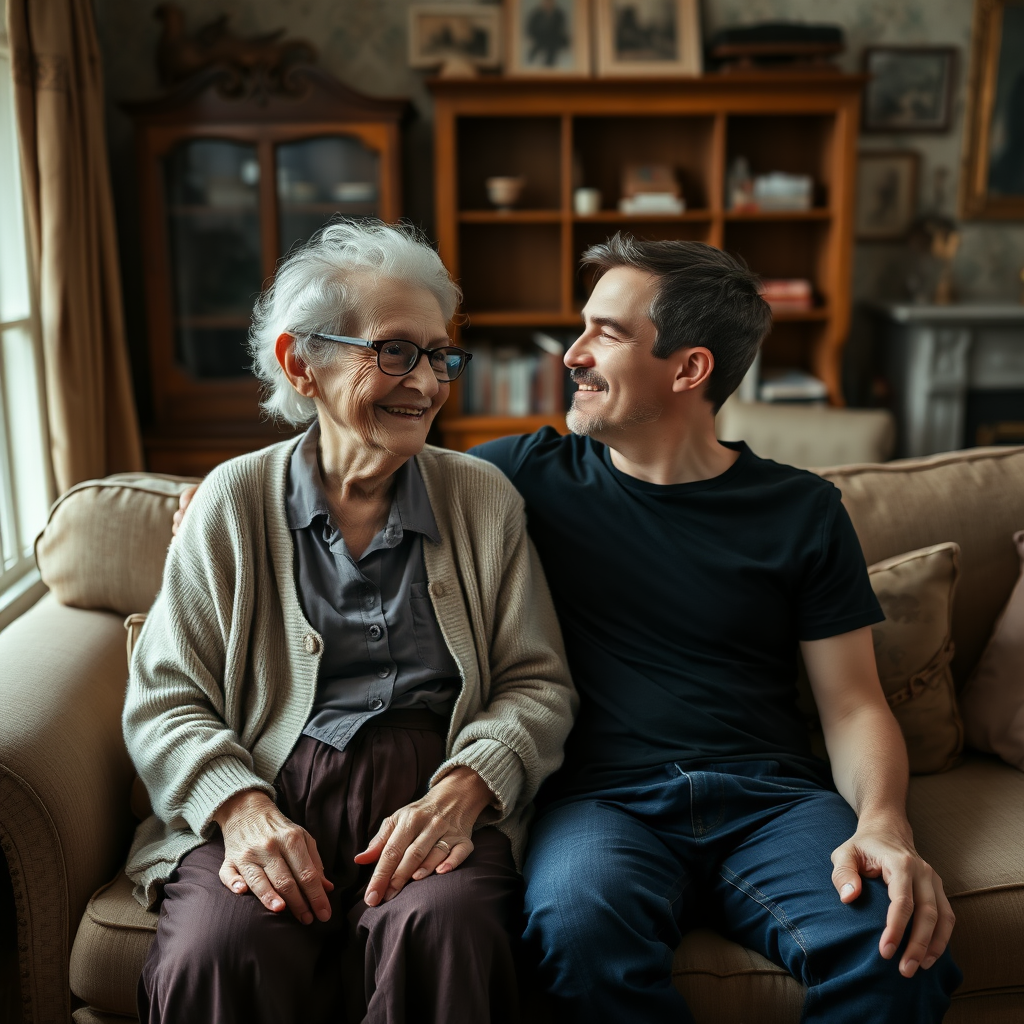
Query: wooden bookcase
(518, 269)
(227, 184)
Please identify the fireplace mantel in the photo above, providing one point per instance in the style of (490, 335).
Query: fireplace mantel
(936, 356)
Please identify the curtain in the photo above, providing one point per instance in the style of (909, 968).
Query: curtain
(58, 88)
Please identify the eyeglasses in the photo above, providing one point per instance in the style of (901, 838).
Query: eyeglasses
(396, 357)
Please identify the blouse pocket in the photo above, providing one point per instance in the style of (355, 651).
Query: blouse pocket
(430, 646)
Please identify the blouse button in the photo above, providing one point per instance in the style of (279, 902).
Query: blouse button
(375, 632)
(376, 704)
(312, 643)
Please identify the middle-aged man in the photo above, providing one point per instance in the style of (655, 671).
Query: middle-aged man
(688, 574)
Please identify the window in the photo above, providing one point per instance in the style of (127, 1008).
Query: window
(26, 486)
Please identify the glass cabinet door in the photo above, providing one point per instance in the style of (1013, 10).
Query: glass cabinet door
(212, 189)
(318, 178)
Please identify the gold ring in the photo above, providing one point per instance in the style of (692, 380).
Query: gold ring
(444, 846)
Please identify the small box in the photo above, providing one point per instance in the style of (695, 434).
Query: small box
(640, 178)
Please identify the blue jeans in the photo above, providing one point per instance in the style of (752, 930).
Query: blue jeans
(616, 876)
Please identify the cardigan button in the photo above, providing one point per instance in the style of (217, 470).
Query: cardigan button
(312, 643)
(436, 589)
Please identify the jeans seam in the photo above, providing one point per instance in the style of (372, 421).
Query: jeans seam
(740, 883)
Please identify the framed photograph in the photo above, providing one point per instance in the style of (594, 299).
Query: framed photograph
(457, 33)
(886, 194)
(548, 37)
(911, 88)
(992, 176)
(648, 37)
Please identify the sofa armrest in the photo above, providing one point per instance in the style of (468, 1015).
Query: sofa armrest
(65, 778)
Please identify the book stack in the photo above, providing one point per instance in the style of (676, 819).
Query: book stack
(792, 386)
(650, 188)
(783, 293)
(509, 380)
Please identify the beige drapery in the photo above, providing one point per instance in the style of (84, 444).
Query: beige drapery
(58, 88)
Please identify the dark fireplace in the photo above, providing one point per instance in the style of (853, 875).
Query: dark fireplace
(994, 417)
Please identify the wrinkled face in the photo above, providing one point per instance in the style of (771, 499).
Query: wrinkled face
(620, 383)
(365, 407)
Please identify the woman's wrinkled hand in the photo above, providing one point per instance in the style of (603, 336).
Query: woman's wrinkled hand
(434, 833)
(267, 854)
(183, 502)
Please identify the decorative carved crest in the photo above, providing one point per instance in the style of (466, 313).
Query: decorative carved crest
(256, 68)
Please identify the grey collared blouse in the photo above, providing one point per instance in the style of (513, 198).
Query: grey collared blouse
(382, 644)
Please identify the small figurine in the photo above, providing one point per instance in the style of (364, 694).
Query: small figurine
(938, 236)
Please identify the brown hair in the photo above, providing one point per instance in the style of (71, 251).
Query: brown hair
(706, 298)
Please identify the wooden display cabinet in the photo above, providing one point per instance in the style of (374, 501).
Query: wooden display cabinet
(227, 186)
(519, 268)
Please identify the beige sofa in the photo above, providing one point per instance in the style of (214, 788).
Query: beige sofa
(65, 779)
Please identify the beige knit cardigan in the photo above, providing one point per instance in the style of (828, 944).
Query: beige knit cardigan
(224, 673)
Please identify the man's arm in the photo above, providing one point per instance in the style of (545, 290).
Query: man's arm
(869, 765)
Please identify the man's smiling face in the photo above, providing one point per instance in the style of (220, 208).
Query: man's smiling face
(619, 381)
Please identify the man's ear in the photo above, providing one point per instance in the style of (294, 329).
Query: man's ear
(298, 372)
(693, 368)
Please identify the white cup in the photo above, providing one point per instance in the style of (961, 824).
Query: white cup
(586, 201)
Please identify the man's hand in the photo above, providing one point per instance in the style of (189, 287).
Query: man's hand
(183, 501)
(272, 857)
(869, 765)
(914, 889)
(433, 833)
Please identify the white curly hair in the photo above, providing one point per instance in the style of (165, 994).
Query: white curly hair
(309, 295)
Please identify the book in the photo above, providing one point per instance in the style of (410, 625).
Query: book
(791, 386)
(516, 380)
(795, 293)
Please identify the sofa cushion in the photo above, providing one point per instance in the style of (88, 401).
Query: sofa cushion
(993, 700)
(969, 826)
(722, 981)
(807, 435)
(105, 541)
(973, 497)
(110, 948)
(913, 651)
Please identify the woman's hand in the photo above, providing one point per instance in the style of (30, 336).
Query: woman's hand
(269, 855)
(183, 501)
(432, 834)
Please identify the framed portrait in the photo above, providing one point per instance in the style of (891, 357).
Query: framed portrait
(910, 88)
(648, 37)
(548, 37)
(886, 194)
(992, 176)
(459, 33)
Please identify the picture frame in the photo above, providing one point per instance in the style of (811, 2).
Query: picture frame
(454, 34)
(910, 88)
(648, 37)
(992, 171)
(886, 194)
(548, 37)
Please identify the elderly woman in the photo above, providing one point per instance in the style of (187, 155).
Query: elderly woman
(351, 683)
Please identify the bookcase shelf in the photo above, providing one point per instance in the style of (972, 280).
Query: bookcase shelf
(519, 268)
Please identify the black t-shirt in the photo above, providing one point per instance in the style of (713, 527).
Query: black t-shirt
(682, 606)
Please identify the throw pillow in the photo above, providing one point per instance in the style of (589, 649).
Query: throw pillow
(105, 541)
(913, 649)
(992, 702)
